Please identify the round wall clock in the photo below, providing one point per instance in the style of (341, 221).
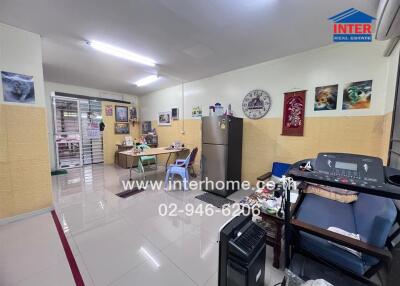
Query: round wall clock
(256, 104)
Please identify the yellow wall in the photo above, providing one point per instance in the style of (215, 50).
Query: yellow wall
(110, 139)
(24, 160)
(25, 184)
(168, 134)
(263, 144)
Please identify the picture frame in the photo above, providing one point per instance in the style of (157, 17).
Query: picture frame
(121, 128)
(18, 88)
(164, 118)
(121, 113)
(133, 114)
(357, 95)
(109, 110)
(197, 111)
(175, 113)
(326, 97)
(146, 127)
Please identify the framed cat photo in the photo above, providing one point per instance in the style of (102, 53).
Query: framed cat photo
(18, 88)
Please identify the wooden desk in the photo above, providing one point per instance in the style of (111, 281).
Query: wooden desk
(151, 152)
(121, 159)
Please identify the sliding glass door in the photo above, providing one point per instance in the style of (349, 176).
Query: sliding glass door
(78, 139)
(67, 132)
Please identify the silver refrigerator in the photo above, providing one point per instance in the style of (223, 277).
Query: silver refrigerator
(221, 158)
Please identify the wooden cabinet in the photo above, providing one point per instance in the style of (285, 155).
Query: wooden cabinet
(122, 160)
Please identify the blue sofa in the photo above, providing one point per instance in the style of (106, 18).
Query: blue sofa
(370, 216)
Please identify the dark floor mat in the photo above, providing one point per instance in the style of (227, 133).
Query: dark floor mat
(129, 193)
(59, 172)
(215, 200)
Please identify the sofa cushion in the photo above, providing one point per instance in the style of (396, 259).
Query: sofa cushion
(324, 213)
(334, 214)
(374, 217)
(322, 248)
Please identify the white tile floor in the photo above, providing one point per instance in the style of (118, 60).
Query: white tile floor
(115, 241)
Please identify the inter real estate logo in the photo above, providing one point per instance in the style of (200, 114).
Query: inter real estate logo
(352, 26)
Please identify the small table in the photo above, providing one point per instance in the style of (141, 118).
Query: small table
(151, 152)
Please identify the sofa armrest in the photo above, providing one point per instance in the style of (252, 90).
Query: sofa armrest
(264, 176)
(355, 244)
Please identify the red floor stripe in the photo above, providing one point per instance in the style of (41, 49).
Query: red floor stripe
(68, 252)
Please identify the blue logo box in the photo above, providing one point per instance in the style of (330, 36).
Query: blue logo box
(352, 37)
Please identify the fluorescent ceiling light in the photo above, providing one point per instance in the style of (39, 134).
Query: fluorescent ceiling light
(146, 80)
(149, 256)
(108, 49)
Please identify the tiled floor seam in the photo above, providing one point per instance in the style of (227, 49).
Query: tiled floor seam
(82, 259)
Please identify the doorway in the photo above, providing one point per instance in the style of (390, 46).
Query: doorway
(78, 139)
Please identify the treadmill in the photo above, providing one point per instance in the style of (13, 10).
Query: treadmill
(360, 173)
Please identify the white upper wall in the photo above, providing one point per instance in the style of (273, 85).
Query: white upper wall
(334, 64)
(21, 52)
(393, 63)
(80, 90)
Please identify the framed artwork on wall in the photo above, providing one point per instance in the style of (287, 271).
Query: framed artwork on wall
(196, 111)
(293, 113)
(109, 110)
(18, 87)
(146, 127)
(326, 97)
(121, 128)
(121, 113)
(133, 113)
(357, 95)
(175, 113)
(164, 118)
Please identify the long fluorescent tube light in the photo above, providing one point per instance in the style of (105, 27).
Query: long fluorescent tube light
(147, 80)
(108, 49)
(149, 256)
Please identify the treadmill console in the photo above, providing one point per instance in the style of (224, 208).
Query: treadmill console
(342, 170)
(350, 168)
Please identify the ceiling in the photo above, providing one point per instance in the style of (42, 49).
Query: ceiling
(189, 39)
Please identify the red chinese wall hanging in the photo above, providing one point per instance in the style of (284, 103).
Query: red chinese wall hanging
(293, 113)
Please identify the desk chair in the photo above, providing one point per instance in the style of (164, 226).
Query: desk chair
(146, 160)
(278, 170)
(181, 168)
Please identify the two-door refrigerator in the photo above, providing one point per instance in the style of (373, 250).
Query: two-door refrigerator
(221, 159)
